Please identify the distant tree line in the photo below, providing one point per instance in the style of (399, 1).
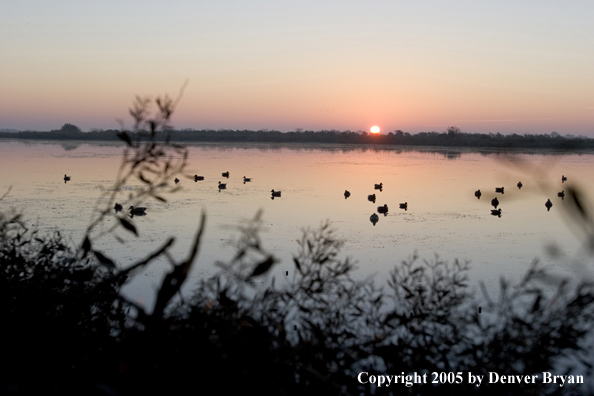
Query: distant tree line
(452, 137)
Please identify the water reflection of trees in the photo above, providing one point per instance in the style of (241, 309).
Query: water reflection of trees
(70, 146)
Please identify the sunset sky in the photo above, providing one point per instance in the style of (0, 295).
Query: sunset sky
(484, 66)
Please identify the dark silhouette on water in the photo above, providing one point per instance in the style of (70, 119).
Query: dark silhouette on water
(499, 190)
(404, 206)
(117, 207)
(383, 209)
(222, 186)
(374, 218)
(226, 174)
(137, 211)
(520, 185)
(176, 180)
(347, 194)
(496, 212)
(196, 178)
(478, 194)
(66, 178)
(495, 202)
(563, 179)
(561, 194)
(246, 179)
(371, 198)
(549, 204)
(378, 186)
(274, 194)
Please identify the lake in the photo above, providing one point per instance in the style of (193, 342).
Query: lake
(443, 216)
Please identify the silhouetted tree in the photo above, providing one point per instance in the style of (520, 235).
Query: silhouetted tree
(453, 131)
(69, 128)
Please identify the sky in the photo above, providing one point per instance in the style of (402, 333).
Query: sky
(508, 66)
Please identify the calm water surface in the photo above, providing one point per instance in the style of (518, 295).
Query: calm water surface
(443, 216)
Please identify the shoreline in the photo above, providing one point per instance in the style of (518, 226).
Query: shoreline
(449, 151)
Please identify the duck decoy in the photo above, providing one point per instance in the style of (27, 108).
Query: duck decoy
(347, 194)
(549, 204)
(383, 209)
(404, 206)
(176, 180)
(496, 212)
(137, 211)
(495, 202)
(374, 218)
(499, 190)
(117, 207)
(478, 194)
(196, 178)
(226, 174)
(246, 179)
(275, 193)
(563, 179)
(561, 194)
(66, 178)
(519, 184)
(222, 186)
(378, 186)
(371, 198)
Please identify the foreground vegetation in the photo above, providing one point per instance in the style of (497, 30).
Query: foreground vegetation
(452, 137)
(68, 329)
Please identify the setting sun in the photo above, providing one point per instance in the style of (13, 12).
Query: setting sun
(375, 129)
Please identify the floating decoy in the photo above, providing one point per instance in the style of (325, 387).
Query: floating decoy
(196, 178)
(382, 209)
(404, 206)
(226, 174)
(495, 202)
(176, 180)
(371, 198)
(222, 186)
(499, 190)
(137, 211)
(66, 178)
(246, 179)
(275, 193)
(478, 194)
(374, 218)
(519, 184)
(117, 207)
(347, 194)
(563, 179)
(496, 212)
(378, 186)
(548, 204)
(561, 194)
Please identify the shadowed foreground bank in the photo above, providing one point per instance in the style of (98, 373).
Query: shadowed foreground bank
(68, 330)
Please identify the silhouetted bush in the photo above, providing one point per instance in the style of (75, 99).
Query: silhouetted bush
(69, 331)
